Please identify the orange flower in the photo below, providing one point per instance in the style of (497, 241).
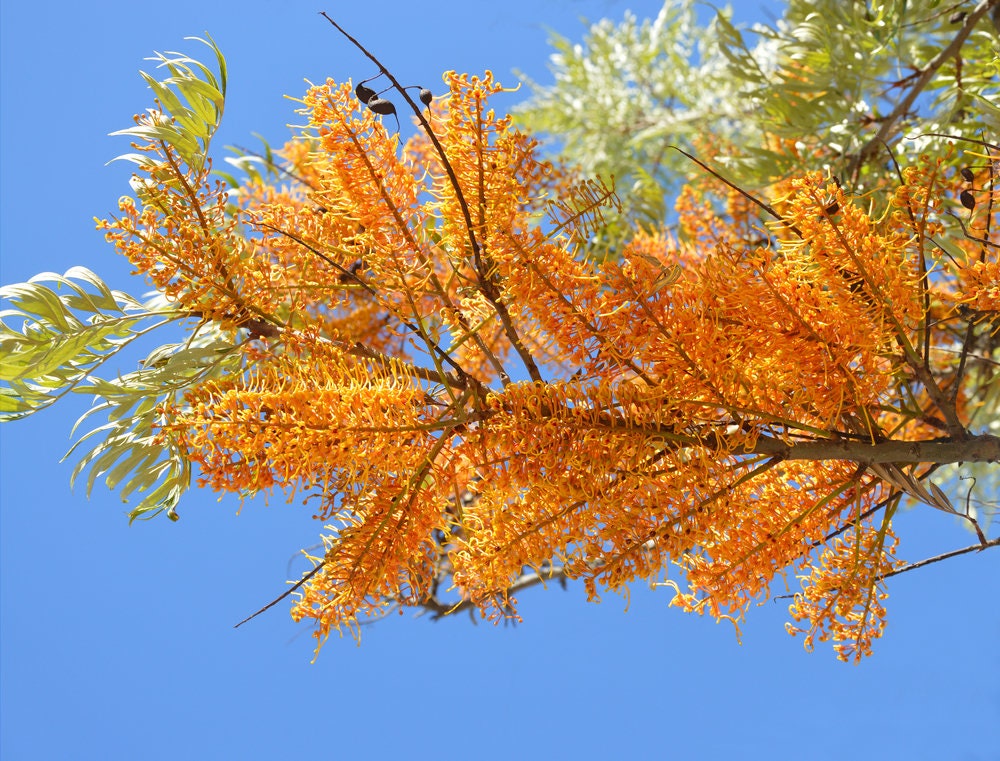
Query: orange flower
(392, 298)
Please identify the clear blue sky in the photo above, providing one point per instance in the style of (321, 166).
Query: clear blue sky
(118, 642)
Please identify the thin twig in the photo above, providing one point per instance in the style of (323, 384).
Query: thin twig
(753, 199)
(440, 609)
(922, 563)
(278, 599)
(938, 558)
(477, 252)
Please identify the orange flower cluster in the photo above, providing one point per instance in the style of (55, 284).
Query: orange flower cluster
(843, 595)
(183, 239)
(474, 400)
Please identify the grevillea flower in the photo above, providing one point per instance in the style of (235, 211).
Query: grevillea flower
(433, 355)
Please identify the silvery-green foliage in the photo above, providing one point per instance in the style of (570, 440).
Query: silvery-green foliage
(820, 88)
(57, 332)
(630, 90)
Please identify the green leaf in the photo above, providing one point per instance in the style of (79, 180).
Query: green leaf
(13, 405)
(51, 340)
(192, 98)
(129, 450)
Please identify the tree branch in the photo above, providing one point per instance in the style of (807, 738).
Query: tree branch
(983, 448)
(903, 106)
(939, 558)
(440, 609)
(486, 287)
(281, 597)
(922, 563)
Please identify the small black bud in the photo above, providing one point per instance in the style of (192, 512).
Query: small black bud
(426, 96)
(967, 199)
(967, 174)
(364, 94)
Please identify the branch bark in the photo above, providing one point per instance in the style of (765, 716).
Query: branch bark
(888, 125)
(439, 609)
(984, 448)
(944, 556)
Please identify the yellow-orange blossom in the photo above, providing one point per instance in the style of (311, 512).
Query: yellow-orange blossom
(470, 395)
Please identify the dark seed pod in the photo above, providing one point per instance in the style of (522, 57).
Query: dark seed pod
(967, 199)
(384, 107)
(957, 18)
(364, 94)
(381, 106)
(832, 209)
(426, 96)
(967, 174)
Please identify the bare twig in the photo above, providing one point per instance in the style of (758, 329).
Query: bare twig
(278, 599)
(477, 251)
(939, 558)
(753, 199)
(921, 563)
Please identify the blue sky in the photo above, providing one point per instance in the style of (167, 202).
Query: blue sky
(117, 642)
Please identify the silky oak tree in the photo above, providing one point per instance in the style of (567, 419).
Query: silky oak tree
(425, 342)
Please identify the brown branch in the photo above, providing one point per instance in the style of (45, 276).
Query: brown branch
(983, 448)
(278, 599)
(970, 236)
(753, 199)
(440, 609)
(486, 286)
(939, 558)
(926, 73)
(922, 563)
